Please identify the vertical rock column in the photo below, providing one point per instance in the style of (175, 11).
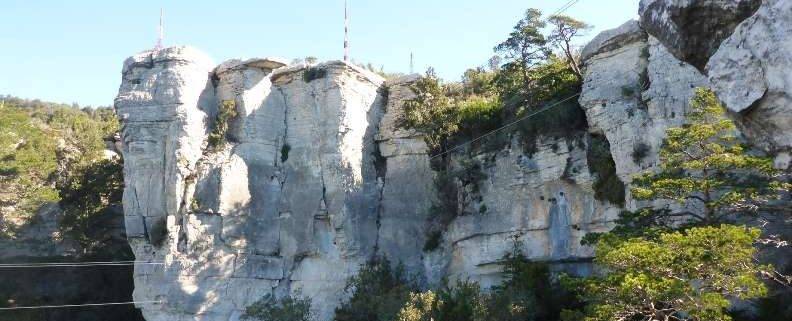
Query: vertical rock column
(407, 183)
(163, 103)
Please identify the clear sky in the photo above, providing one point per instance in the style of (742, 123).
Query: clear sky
(72, 51)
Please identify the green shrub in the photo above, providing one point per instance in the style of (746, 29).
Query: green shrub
(433, 240)
(226, 112)
(34, 170)
(567, 120)
(159, 232)
(450, 114)
(627, 91)
(86, 193)
(27, 164)
(528, 292)
(286, 309)
(446, 208)
(462, 302)
(607, 185)
(313, 73)
(285, 152)
(378, 292)
(640, 152)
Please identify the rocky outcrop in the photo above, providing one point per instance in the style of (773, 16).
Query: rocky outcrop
(634, 89)
(750, 74)
(285, 206)
(542, 201)
(314, 177)
(741, 47)
(694, 29)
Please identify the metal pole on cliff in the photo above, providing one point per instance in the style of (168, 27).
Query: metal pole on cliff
(412, 63)
(346, 32)
(158, 47)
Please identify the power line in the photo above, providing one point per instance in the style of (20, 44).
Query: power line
(504, 126)
(77, 305)
(76, 264)
(565, 7)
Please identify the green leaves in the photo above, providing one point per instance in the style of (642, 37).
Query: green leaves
(226, 112)
(285, 309)
(689, 274)
(703, 162)
(685, 265)
(378, 292)
(441, 113)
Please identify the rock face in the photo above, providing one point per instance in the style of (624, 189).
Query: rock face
(693, 29)
(743, 50)
(634, 89)
(750, 74)
(315, 178)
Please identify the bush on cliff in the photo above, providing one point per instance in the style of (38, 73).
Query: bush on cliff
(527, 293)
(378, 291)
(268, 308)
(683, 264)
(226, 112)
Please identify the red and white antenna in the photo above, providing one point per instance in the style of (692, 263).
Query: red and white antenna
(346, 32)
(158, 47)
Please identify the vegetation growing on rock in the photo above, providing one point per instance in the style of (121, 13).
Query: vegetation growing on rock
(531, 79)
(687, 264)
(607, 185)
(378, 292)
(226, 112)
(51, 153)
(526, 293)
(685, 275)
(56, 168)
(268, 308)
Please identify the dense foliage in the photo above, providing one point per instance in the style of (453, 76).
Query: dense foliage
(531, 81)
(688, 275)
(51, 152)
(226, 112)
(268, 308)
(54, 156)
(527, 293)
(378, 292)
(607, 185)
(27, 165)
(686, 264)
(704, 163)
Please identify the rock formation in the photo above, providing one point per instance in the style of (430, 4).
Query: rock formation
(315, 178)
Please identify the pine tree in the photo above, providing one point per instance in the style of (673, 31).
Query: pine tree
(704, 163)
(661, 269)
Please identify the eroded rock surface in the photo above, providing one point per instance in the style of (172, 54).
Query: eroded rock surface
(750, 74)
(315, 177)
(694, 29)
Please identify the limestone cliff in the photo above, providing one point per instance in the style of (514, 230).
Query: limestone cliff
(315, 178)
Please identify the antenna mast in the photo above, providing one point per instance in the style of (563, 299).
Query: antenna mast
(346, 32)
(412, 63)
(158, 47)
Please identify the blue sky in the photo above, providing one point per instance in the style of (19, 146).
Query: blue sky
(72, 51)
